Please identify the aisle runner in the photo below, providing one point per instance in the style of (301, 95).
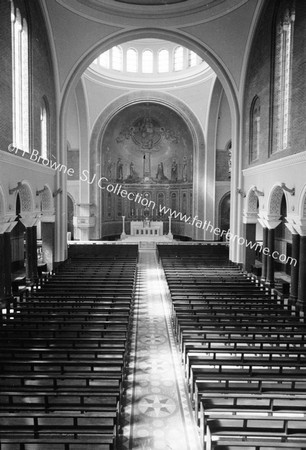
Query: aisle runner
(160, 412)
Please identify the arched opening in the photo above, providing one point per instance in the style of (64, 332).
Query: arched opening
(283, 241)
(224, 213)
(70, 215)
(18, 240)
(147, 148)
(195, 198)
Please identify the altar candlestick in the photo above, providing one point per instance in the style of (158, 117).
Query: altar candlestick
(123, 234)
(170, 235)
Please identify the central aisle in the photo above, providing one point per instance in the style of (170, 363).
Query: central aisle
(157, 400)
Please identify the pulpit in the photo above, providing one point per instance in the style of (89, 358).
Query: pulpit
(146, 228)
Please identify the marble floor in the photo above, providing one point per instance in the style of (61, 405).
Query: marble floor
(157, 414)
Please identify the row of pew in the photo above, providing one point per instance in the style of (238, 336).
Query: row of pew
(243, 352)
(64, 354)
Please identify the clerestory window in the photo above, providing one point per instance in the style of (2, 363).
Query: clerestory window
(20, 81)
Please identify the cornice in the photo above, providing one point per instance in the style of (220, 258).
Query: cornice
(281, 163)
(19, 161)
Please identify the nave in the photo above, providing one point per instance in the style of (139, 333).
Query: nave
(133, 349)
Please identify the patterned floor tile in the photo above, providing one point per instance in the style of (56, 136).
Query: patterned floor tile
(157, 412)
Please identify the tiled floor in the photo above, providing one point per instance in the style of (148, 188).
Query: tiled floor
(157, 412)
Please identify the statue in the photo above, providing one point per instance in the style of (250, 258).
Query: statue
(160, 176)
(132, 170)
(185, 169)
(147, 133)
(109, 169)
(119, 170)
(133, 176)
(174, 171)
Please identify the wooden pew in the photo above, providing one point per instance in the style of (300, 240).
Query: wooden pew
(60, 424)
(24, 442)
(245, 356)
(107, 382)
(62, 399)
(285, 403)
(224, 430)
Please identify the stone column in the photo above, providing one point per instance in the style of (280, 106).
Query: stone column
(34, 253)
(295, 267)
(269, 223)
(301, 301)
(250, 236)
(264, 256)
(270, 260)
(28, 254)
(300, 227)
(31, 254)
(7, 265)
(2, 268)
(47, 242)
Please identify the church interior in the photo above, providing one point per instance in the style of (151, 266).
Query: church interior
(152, 225)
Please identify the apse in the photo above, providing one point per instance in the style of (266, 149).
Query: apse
(147, 149)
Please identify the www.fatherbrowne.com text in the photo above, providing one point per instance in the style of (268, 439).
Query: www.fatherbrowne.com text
(117, 189)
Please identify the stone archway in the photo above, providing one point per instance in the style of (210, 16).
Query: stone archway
(173, 117)
(230, 90)
(47, 203)
(26, 198)
(275, 200)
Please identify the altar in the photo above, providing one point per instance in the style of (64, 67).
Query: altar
(146, 228)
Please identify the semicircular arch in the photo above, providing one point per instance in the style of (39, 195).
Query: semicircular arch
(26, 197)
(275, 200)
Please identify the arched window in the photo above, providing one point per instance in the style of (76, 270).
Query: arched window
(282, 76)
(163, 61)
(160, 203)
(147, 61)
(20, 70)
(44, 128)
(116, 58)
(228, 149)
(254, 129)
(178, 58)
(104, 60)
(192, 58)
(173, 201)
(131, 60)
(109, 205)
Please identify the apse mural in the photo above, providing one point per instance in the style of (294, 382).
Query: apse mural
(148, 149)
(147, 143)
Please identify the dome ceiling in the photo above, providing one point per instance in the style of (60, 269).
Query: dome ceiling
(203, 10)
(151, 2)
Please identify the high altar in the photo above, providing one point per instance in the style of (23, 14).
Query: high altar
(146, 228)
